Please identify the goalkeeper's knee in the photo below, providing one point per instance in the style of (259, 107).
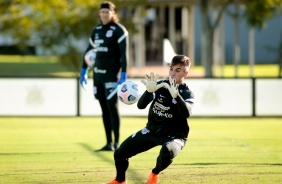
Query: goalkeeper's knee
(173, 147)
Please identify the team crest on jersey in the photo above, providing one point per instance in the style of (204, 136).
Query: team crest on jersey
(109, 33)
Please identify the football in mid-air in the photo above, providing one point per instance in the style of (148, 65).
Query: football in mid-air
(89, 57)
(128, 92)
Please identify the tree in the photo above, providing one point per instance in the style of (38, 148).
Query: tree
(236, 16)
(208, 28)
(55, 26)
(256, 13)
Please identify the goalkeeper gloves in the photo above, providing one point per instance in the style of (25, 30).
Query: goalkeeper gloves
(83, 77)
(122, 78)
(151, 82)
(172, 88)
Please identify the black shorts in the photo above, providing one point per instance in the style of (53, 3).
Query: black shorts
(144, 140)
(103, 86)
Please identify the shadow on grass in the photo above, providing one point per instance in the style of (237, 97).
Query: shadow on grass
(245, 164)
(100, 154)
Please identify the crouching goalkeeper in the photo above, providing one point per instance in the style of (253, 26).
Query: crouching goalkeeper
(167, 124)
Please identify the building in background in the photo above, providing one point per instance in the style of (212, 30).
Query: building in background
(179, 22)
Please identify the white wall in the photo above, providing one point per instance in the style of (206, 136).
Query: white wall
(217, 97)
(269, 97)
(213, 97)
(36, 97)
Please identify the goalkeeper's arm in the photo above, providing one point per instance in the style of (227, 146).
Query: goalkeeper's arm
(185, 108)
(145, 99)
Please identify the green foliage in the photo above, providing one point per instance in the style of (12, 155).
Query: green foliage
(47, 22)
(53, 25)
(258, 11)
(61, 150)
(56, 26)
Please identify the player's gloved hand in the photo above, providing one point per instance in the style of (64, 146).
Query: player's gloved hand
(123, 77)
(151, 82)
(83, 78)
(172, 88)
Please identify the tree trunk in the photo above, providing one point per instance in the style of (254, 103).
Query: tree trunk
(206, 40)
(237, 55)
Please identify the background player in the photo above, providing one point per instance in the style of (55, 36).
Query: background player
(110, 40)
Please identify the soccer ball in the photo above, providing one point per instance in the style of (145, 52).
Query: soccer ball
(128, 92)
(89, 57)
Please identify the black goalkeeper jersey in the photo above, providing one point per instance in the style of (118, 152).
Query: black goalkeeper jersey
(110, 42)
(168, 116)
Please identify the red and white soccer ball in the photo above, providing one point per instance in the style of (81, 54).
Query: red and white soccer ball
(89, 57)
(128, 92)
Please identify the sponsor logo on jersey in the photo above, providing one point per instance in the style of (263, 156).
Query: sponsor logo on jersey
(97, 70)
(99, 48)
(98, 42)
(102, 49)
(160, 110)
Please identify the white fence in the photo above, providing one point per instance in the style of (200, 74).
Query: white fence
(64, 97)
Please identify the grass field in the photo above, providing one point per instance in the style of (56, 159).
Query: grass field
(19, 66)
(60, 150)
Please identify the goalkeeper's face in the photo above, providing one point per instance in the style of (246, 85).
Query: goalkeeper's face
(106, 15)
(178, 72)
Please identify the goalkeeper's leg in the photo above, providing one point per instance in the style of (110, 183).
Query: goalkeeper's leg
(136, 143)
(168, 151)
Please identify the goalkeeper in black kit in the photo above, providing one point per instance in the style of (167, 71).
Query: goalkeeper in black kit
(109, 40)
(171, 104)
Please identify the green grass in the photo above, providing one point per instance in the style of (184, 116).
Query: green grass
(259, 70)
(18, 66)
(51, 66)
(60, 150)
